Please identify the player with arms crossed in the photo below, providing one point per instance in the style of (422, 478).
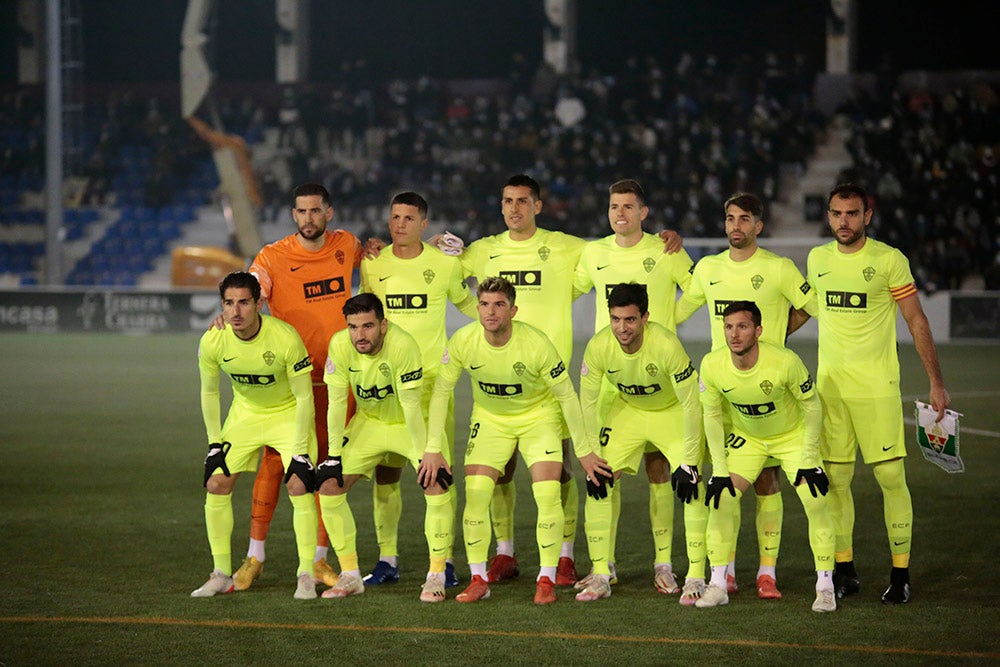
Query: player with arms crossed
(272, 406)
(521, 392)
(656, 402)
(381, 364)
(631, 255)
(415, 283)
(305, 279)
(860, 285)
(775, 413)
(746, 271)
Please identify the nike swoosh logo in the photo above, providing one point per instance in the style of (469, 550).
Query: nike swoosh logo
(476, 368)
(494, 256)
(354, 370)
(296, 268)
(601, 268)
(552, 452)
(438, 551)
(384, 278)
(726, 391)
(473, 543)
(770, 548)
(617, 370)
(714, 282)
(548, 546)
(820, 275)
(225, 359)
(900, 543)
(885, 449)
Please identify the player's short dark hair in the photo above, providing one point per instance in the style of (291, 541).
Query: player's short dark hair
(848, 190)
(740, 306)
(746, 201)
(496, 284)
(309, 190)
(365, 302)
(411, 199)
(240, 279)
(629, 294)
(626, 186)
(524, 181)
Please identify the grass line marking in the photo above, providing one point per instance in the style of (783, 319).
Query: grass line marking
(257, 625)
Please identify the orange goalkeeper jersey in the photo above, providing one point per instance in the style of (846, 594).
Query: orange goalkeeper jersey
(308, 289)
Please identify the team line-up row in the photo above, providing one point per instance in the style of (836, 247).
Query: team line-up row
(364, 385)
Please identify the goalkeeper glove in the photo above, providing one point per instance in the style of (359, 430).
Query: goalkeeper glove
(716, 485)
(816, 479)
(330, 469)
(216, 459)
(685, 482)
(598, 490)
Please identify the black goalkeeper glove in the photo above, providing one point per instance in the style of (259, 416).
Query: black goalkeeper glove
(716, 485)
(330, 469)
(685, 482)
(598, 490)
(216, 459)
(816, 479)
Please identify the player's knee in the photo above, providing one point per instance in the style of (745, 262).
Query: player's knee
(839, 474)
(657, 467)
(890, 475)
(220, 485)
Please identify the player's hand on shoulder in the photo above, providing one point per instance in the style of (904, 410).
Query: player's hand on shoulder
(373, 247)
(672, 241)
(217, 323)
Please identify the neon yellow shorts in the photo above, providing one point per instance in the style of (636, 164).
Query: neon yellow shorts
(493, 438)
(873, 424)
(369, 441)
(249, 431)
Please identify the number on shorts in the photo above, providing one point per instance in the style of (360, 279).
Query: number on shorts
(605, 436)
(734, 441)
(474, 431)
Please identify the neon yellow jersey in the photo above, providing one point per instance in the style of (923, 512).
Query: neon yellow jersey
(509, 380)
(541, 269)
(376, 379)
(856, 297)
(769, 280)
(763, 402)
(415, 293)
(259, 368)
(658, 376)
(605, 264)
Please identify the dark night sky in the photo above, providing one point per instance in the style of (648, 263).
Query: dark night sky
(139, 41)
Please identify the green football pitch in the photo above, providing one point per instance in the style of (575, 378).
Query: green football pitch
(103, 540)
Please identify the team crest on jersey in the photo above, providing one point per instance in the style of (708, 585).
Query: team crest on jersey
(339, 255)
(428, 276)
(445, 358)
(331, 368)
(544, 253)
(268, 357)
(757, 281)
(868, 273)
(652, 369)
(649, 264)
(384, 369)
(519, 368)
(766, 386)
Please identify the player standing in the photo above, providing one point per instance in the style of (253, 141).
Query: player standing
(272, 406)
(305, 279)
(415, 284)
(631, 255)
(746, 271)
(860, 284)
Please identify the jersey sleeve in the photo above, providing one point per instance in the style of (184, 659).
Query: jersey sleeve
(686, 387)
(448, 374)
(591, 374)
(796, 288)
(715, 433)
(582, 281)
(336, 377)
(901, 283)
(460, 294)
(691, 300)
(803, 388)
(682, 270)
(208, 371)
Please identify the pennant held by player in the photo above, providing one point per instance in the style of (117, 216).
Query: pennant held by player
(939, 440)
